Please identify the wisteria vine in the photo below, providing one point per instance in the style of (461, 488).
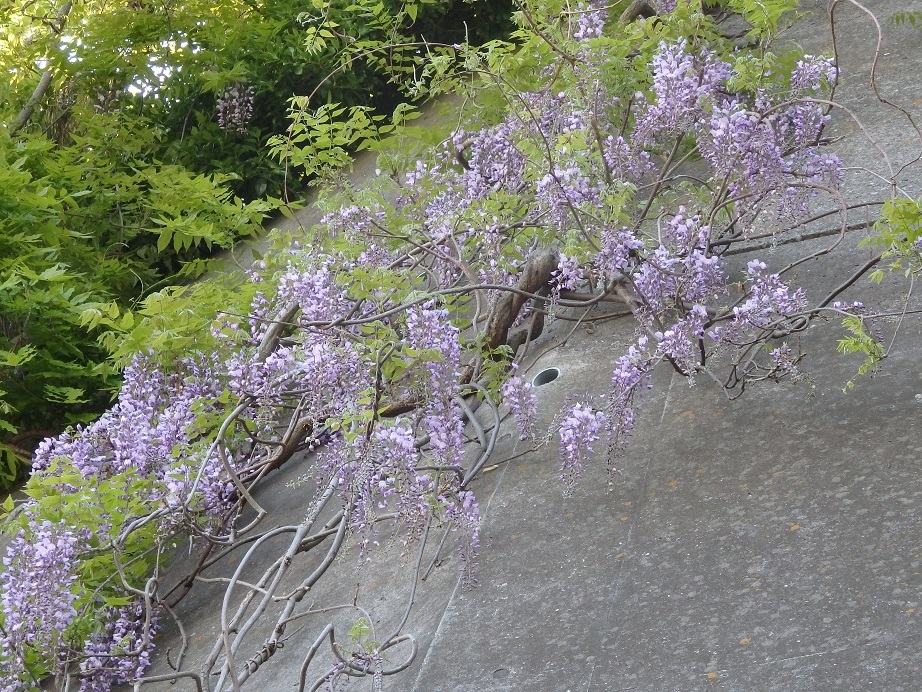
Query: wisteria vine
(614, 176)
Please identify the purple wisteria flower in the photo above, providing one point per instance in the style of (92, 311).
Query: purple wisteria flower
(784, 362)
(623, 162)
(495, 161)
(37, 597)
(568, 273)
(122, 652)
(235, 108)
(664, 6)
(769, 297)
(429, 330)
(683, 84)
(520, 398)
(590, 19)
(463, 512)
(140, 437)
(618, 249)
(680, 270)
(370, 472)
(769, 301)
(811, 74)
(631, 373)
(679, 343)
(562, 192)
(580, 428)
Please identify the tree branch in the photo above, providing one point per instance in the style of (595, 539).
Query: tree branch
(57, 26)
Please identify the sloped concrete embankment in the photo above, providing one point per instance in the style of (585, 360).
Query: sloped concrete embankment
(769, 543)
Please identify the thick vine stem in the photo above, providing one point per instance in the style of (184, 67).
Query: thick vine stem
(532, 285)
(535, 276)
(171, 678)
(638, 8)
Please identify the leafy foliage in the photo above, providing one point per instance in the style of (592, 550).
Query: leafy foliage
(134, 150)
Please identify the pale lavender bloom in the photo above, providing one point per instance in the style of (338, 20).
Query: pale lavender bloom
(495, 162)
(622, 162)
(726, 136)
(118, 655)
(591, 18)
(429, 329)
(679, 343)
(856, 307)
(680, 270)
(568, 273)
(520, 398)
(141, 430)
(372, 472)
(784, 361)
(807, 121)
(770, 300)
(663, 6)
(761, 152)
(412, 487)
(811, 73)
(235, 108)
(463, 512)
(141, 435)
(314, 289)
(683, 84)
(37, 595)
(563, 191)
(618, 250)
(579, 429)
(769, 297)
(631, 372)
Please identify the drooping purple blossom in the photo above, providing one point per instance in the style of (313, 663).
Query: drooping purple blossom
(580, 428)
(680, 270)
(683, 84)
(631, 373)
(562, 192)
(568, 273)
(140, 432)
(121, 653)
(430, 330)
(235, 108)
(463, 511)
(623, 162)
(811, 73)
(769, 297)
(590, 20)
(495, 161)
(37, 596)
(769, 301)
(762, 153)
(784, 361)
(519, 397)
(618, 250)
(679, 343)
(664, 6)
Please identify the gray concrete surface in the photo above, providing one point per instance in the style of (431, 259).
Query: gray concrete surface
(770, 543)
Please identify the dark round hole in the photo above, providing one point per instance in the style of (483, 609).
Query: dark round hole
(545, 376)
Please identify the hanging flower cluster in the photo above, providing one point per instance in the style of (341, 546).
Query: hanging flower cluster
(235, 108)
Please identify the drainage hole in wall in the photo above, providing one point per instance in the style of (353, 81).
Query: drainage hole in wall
(545, 376)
